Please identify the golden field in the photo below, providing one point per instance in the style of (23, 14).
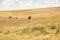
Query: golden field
(43, 25)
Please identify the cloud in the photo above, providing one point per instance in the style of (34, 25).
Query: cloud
(47, 3)
(5, 4)
(15, 4)
(24, 4)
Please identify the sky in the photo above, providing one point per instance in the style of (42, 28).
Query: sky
(27, 4)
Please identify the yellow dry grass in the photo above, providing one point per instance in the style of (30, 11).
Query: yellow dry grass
(24, 29)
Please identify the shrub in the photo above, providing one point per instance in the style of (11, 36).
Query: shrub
(16, 17)
(37, 28)
(25, 30)
(10, 17)
(29, 17)
(7, 32)
(52, 27)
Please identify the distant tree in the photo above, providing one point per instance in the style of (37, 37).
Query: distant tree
(10, 17)
(29, 17)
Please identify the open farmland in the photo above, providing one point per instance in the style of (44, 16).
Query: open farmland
(43, 24)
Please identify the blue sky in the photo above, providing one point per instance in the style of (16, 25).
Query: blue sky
(27, 4)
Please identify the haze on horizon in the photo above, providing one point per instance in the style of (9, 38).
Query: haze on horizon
(27, 4)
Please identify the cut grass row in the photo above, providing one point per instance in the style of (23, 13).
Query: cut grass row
(34, 30)
(39, 30)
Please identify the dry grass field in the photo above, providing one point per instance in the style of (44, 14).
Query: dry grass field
(33, 24)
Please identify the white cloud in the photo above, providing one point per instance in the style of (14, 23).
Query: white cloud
(5, 4)
(47, 3)
(23, 4)
(52, 3)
